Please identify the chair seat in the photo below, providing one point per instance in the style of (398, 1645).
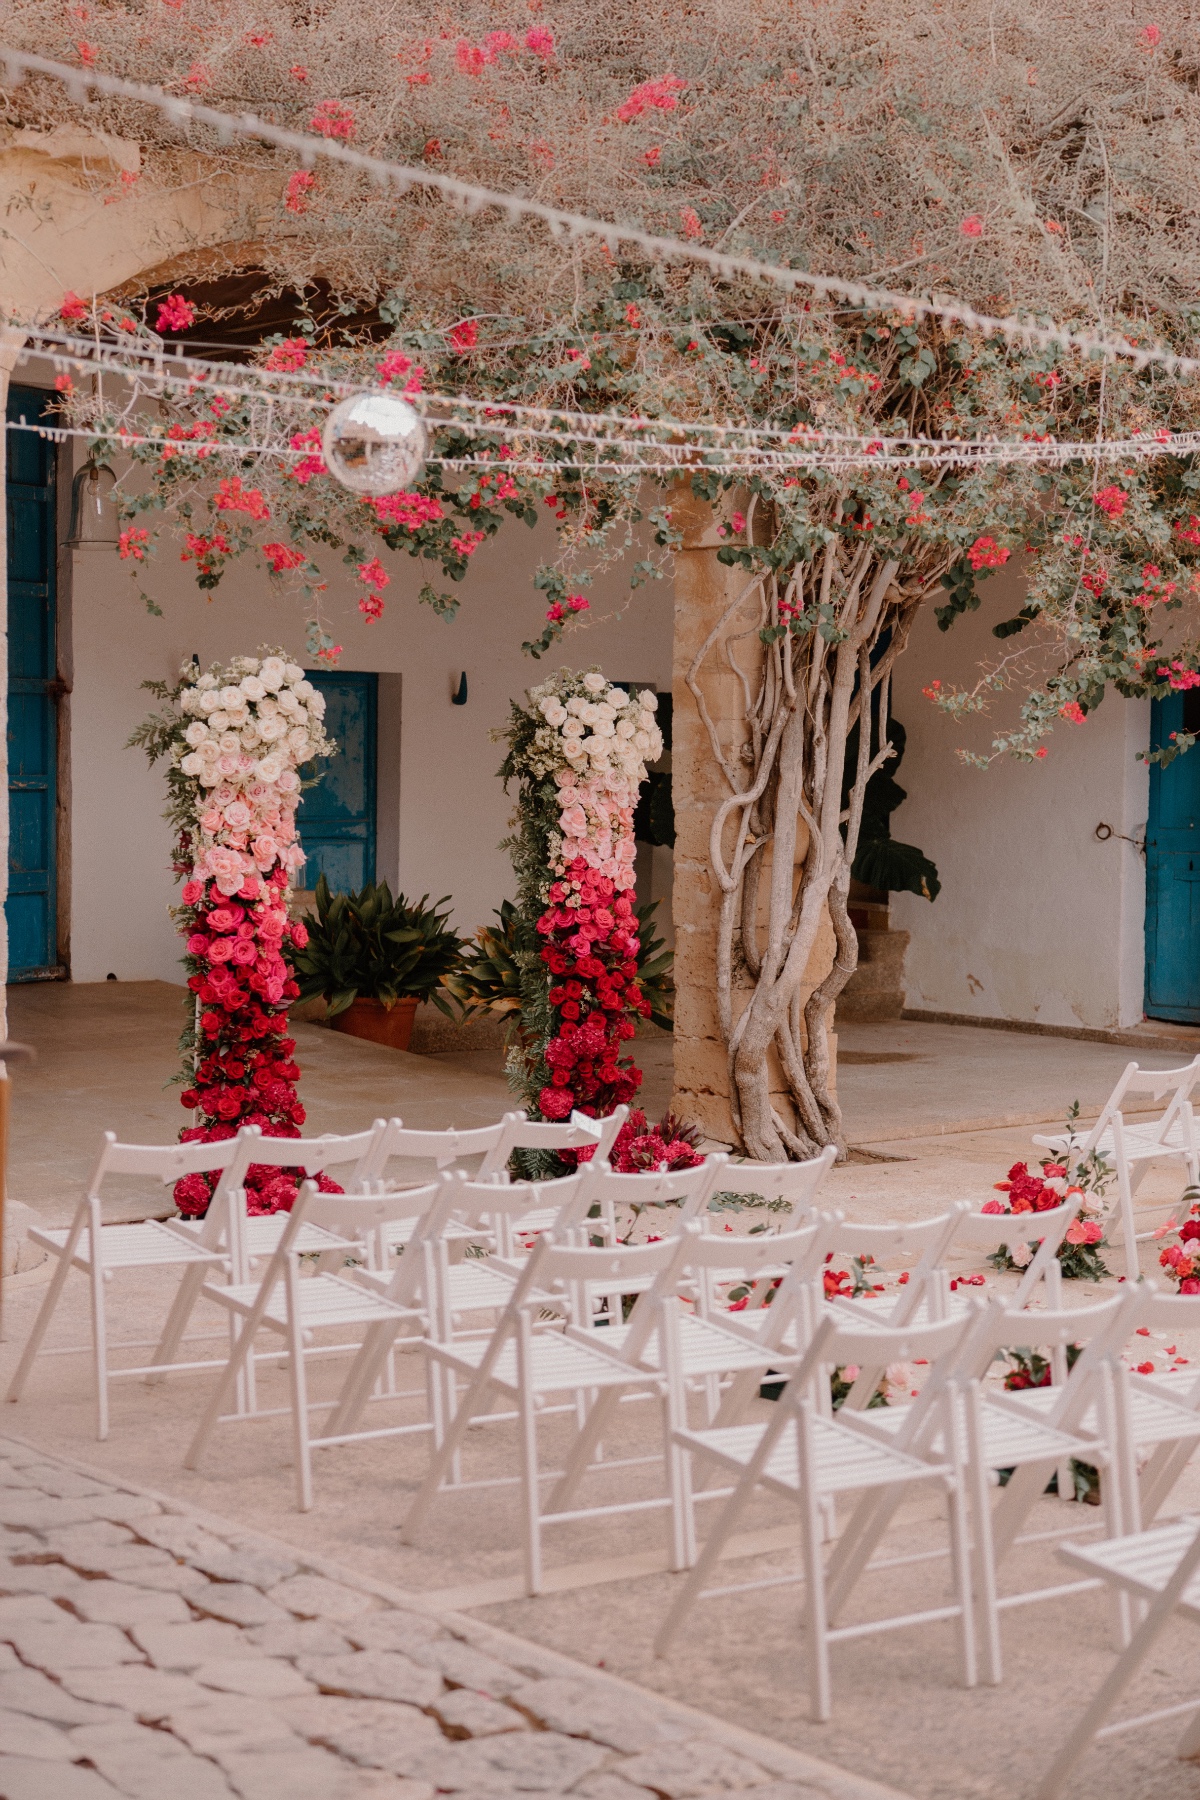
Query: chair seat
(475, 1286)
(845, 1459)
(127, 1246)
(1008, 1439)
(1154, 1417)
(264, 1232)
(399, 1233)
(1142, 1563)
(324, 1300)
(705, 1348)
(558, 1364)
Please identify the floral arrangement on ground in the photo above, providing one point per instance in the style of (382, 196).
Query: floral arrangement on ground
(1080, 1253)
(234, 738)
(578, 752)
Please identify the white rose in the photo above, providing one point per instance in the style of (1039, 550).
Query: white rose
(594, 682)
(288, 782)
(230, 697)
(298, 740)
(573, 750)
(293, 674)
(270, 768)
(617, 697)
(193, 764)
(209, 702)
(219, 720)
(209, 775)
(252, 687)
(604, 711)
(271, 673)
(1021, 1254)
(625, 728)
(205, 682)
(577, 705)
(604, 728)
(230, 743)
(574, 728)
(316, 705)
(196, 733)
(250, 736)
(648, 700)
(555, 713)
(210, 749)
(272, 728)
(304, 690)
(289, 704)
(642, 740)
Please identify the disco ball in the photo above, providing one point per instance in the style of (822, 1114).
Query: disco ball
(374, 443)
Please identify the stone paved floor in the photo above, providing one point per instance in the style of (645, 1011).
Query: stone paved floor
(150, 1651)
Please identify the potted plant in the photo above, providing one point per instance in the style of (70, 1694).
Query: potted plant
(374, 959)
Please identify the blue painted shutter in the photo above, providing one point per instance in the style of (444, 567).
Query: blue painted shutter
(32, 695)
(1173, 868)
(337, 817)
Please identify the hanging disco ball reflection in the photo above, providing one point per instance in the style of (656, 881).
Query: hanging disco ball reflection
(374, 443)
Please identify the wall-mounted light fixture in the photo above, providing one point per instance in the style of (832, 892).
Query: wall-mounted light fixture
(93, 509)
(459, 696)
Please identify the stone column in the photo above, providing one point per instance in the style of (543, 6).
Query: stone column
(704, 589)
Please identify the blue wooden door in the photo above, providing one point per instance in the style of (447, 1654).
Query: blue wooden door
(1173, 868)
(336, 819)
(33, 693)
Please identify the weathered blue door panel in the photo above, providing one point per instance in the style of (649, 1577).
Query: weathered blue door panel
(1173, 868)
(337, 817)
(32, 695)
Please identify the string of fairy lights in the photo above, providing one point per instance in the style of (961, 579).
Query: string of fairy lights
(510, 435)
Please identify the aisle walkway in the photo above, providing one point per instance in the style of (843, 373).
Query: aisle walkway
(146, 1651)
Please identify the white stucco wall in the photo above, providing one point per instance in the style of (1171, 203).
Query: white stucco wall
(443, 812)
(1036, 919)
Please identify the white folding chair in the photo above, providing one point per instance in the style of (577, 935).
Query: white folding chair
(1133, 1148)
(922, 1243)
(293, 1309)
(714, 1346)
(808, 1459)
(258, 1236)
(1160, 1571)
(998, 1436)
(529, 1365)
(98, 1250)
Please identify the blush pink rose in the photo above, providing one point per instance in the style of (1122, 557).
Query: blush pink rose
(265, 850)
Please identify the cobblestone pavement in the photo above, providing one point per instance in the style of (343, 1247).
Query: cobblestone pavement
(153, 1652)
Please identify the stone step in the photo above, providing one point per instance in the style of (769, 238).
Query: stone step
(875, 992)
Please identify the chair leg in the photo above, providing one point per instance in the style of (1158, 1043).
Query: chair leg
(45, 1313)
(816, 1618)
(297, 1381)
(99, 1322)
(702, 1567)
(241, 1349)
(586, 1441)
(530, 1496)
(444, 1455)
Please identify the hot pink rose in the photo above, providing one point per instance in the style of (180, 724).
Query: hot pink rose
(197, 944)
(193, 893)
(221, 949)
(243, 951)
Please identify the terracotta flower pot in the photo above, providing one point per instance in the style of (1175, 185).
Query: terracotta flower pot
(371, 1019)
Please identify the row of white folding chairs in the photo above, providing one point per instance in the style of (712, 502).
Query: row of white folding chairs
(195, 1248)
(955, 1432)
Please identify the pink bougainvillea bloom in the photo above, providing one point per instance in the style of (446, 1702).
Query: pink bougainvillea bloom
(1151, 37)
(371, 606)
(499, 43)
(653, 156)
(1043, 752)
(259, 38)
(298, 72)
(661, 94)
(1112, 500)
(470, 58)
(176, 314)
(373, 573)
(578, 602)
(231, 496)
(540, 41)
(87, 54)
(198, 76)
(299, 186)
(64, 385)
(972, 226)
(469, 543)
(282, 557)
(462, 337)
(133, 543)
(1072, 711)
(291, 354)
(632, 315)
(73, 307)
(333, 119)
(690, 219)
(555, 613)
(738, 521)
(986, 553)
